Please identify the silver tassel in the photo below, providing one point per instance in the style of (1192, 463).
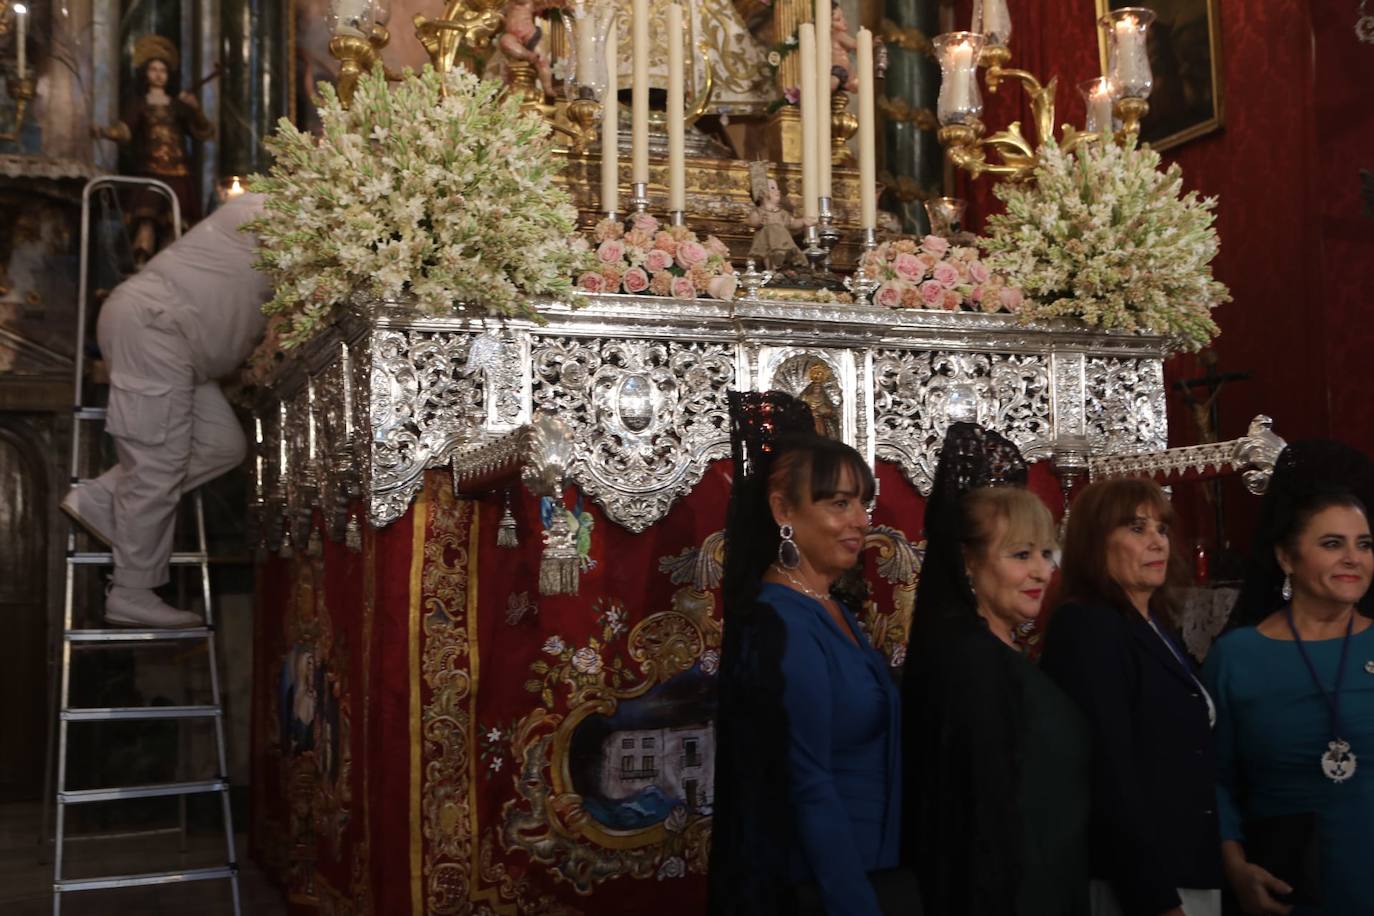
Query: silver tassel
(506, 535)
(559, 563)
(284, 551)
(353, 534)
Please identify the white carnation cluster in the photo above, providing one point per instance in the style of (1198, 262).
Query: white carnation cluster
(1103, 235)
(435, 191)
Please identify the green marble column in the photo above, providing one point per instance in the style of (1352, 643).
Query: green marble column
(254, 83)
(913, 77)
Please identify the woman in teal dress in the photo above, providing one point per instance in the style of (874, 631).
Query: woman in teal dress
(1294, 689)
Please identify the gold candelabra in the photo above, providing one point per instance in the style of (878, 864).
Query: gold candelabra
(20, 90)
(962, 131)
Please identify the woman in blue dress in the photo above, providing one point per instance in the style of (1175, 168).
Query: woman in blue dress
(808, 748)
(1294, 688)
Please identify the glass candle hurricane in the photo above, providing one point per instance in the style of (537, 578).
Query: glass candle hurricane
(946, 215)
(959, 101)
(1128, 60)
(1098, 96)
(992, 20)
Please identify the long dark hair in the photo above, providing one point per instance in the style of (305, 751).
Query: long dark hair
(173, 87)
(804, 467)
(1096, 512)
(1308, 476)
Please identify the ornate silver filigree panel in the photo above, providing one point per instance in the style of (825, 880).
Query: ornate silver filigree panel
(1124, 405)
(425, 400)
(918, 395)
(649, 416)
(375, 400)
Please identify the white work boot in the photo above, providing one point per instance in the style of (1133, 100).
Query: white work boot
(92, 508)
(140, 607)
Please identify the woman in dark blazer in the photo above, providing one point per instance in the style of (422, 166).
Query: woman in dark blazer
(1113, 647)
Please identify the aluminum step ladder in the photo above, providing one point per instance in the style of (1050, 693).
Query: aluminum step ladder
(76, 639)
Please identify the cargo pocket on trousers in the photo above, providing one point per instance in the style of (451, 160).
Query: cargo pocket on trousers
(138, 410)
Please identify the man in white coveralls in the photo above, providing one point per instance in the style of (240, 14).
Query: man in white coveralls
(189, 317)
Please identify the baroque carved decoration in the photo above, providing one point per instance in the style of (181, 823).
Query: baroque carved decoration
(649, 416)
(360, 412)
(919, 394)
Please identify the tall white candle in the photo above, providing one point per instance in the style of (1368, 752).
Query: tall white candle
(960, 73)
(21, 28)
(677, 172)
(1132, 65)
(639, 94)
(806, 35)
(823, 63)
(992, 20)
(610, 130)
(585, 35)
(1100, 107)
(868, 170)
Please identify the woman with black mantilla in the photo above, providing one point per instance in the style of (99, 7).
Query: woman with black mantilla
(807, 742)
(1294, 686)
(997, 757)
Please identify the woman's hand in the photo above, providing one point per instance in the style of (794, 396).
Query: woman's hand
(1253, 885)
(189, 99)
(1255, 888)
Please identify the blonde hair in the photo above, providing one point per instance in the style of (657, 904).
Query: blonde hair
(1028, 520)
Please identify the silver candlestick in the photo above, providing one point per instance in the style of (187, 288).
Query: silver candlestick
(639, 198)
(815, 254)
(677, 218)
(828, 235)
(861, 284)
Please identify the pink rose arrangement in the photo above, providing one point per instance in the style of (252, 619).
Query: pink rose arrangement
(931, 273)
(650, 259)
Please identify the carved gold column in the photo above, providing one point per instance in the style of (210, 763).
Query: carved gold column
(784, 127)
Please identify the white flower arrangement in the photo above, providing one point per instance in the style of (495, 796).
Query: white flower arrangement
(1103, 235)
(437, 192)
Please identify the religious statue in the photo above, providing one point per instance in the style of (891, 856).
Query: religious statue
(773, 243)
(818, 395)
(520, 39)
(155, 124)
(842, 44)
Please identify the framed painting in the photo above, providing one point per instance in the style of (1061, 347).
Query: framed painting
(1185, 57)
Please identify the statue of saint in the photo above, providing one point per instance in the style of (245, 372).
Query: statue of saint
(156, 123)
(773, 243)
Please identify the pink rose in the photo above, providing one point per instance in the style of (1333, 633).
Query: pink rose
(952, 301)
(911, 296)
(657, 259)
(716, 246)
(904, 246)
(700, 277)
(645, 223)
(612, 276)
(682, 288)
(610, 251)
(932, 293)
(935, 245)
(907, 267)
(1011, 299)
(690, 254)
(592, 282)
(978, 271)
(722, 287)
(636, 280)
(946, 274)
(888, 296)
(638, 238)
(872, 263)
(977, 294)
(927, 260)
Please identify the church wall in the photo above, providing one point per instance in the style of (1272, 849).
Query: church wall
(1298, 126)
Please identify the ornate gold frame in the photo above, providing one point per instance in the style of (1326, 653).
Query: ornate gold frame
(1218, 116)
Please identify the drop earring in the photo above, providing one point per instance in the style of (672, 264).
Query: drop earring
(1287, 590)
(789, 557)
